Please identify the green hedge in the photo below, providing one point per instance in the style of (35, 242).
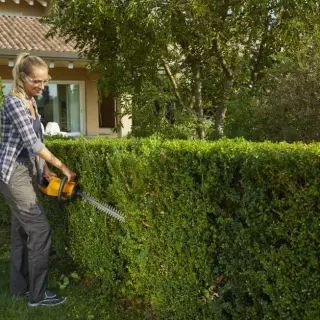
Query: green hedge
(225, 230)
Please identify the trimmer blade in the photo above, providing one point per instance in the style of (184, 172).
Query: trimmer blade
(103, 207)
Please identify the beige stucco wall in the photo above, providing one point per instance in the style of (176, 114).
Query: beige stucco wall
(5, 72)
(125, 121)
(23, 8)
(93, 111)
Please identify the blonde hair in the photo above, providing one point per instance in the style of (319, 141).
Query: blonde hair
(24, 64)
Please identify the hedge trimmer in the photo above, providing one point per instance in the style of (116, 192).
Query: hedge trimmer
(67, 191)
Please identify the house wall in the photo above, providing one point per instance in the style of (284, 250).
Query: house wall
(23, 8)
(126, 121)
(91, 91)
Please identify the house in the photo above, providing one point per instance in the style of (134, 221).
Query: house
(71, 99)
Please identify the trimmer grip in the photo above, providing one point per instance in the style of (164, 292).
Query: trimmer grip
(62, 198)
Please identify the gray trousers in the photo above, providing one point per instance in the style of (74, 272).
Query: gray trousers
(30, 232)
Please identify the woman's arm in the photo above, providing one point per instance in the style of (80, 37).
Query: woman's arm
(46, 155)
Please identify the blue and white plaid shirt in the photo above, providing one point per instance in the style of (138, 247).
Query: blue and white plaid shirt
(17, 133)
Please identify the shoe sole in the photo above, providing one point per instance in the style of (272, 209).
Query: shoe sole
(46, 305)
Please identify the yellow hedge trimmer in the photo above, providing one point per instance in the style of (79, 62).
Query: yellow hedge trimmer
(69, 191)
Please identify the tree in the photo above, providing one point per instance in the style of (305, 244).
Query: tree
(285, 106)
(209, 49)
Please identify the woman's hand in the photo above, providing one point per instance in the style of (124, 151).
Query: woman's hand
(47, 173)
(69, 173)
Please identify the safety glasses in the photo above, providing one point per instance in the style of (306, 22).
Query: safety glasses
(36, 82)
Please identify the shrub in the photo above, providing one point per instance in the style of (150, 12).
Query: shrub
(225, 230)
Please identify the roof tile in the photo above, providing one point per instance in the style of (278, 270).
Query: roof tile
(27, 33)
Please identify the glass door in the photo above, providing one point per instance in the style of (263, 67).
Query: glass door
(60, 103)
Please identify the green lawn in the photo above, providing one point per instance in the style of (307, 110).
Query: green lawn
(82, 302)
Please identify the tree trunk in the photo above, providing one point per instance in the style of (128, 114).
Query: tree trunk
(220, 117)
(222, 109)
(197, 96)
(174, 85)
(228, 71)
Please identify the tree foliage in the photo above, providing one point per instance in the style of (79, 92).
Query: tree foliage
(285, 105)
(208, 50)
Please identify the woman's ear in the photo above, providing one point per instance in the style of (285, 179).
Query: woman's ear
(22, 77)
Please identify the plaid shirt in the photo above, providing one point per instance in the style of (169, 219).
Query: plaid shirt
(17, 133)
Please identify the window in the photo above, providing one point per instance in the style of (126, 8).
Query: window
(6, 88)
(107, 109)
(61, 103)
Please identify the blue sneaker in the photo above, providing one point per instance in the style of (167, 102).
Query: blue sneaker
(50, 299)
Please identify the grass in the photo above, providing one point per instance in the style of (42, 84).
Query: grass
(82, 302)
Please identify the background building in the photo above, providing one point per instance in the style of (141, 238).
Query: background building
(71, 99)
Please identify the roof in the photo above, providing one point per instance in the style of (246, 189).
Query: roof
(23, 33)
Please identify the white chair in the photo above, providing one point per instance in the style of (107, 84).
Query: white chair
(52, 128)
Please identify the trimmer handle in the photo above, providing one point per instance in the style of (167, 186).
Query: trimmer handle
(63, 198)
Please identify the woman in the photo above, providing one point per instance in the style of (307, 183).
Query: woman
(21, 149)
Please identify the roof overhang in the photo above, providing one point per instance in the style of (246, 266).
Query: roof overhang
(8, 53)
(59, 59)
